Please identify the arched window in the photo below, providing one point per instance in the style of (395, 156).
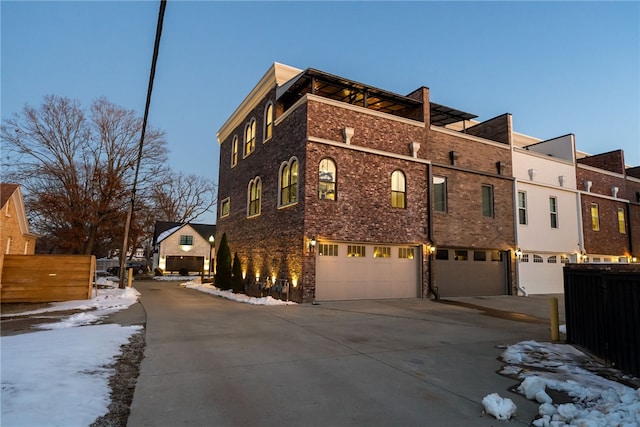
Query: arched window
(268, 121)
(234, 151)
(250, 137)
(398, 190)
(289, 182)
(254, 196)
(327, 179)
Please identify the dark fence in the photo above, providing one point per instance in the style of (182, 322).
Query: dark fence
(602, 308)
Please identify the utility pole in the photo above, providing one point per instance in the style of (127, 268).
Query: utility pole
(127, 226)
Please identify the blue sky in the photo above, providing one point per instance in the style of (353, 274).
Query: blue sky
(558, 67)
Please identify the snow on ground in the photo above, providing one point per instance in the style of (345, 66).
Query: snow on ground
(59, 377)
(597, 401)
(210, 289)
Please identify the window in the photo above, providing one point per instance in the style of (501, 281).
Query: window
(439, 194)
(564, 259)
(461, 256)
(234, 151)
(8, 249)
(496, 256)
(398, 190)
(224, 207)
(595, 217)
(289, 182)
(524, 258)
(255, 194)
(406, 253)
(442, 254)
(537, 259)
(381, 252)
(621, 223)
(479, 256)
(327, 249)
(553, 212)
(327, 180)
(552, 259)
(250, 137)
(522, 208)
(356, 251)
(186, 240)
(268, 121)
(487, 201)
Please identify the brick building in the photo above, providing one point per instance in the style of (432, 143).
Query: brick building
(349, 191)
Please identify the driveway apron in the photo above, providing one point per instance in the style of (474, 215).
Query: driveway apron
(210, 361)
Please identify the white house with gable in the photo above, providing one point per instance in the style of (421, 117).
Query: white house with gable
(547, 213)
(187, 246)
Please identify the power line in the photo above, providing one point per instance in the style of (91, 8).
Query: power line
(127, 226)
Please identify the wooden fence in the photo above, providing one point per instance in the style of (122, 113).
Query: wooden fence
(46, 278)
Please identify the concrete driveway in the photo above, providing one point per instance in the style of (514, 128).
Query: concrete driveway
(215, 362)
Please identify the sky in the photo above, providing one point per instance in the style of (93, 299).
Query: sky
(557, 67)
(46, 383)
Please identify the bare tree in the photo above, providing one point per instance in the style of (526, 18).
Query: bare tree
(77, 170)
(183, 198)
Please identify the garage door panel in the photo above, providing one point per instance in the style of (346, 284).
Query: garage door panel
(343, 277)
(455, 278)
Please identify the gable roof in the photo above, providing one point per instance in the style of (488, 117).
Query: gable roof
(164, 229)
(6, 191)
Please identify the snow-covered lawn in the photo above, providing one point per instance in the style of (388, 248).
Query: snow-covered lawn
(210, 289)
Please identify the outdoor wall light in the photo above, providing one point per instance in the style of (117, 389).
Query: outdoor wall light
(431, 249)
(312, 244)
(634, 259)
(518, 252)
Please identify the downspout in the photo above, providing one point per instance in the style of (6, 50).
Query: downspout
(432, 289)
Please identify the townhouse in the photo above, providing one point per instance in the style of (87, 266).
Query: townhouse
(342, 190)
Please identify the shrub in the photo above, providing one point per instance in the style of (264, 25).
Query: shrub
(237, 281)
(223, 270)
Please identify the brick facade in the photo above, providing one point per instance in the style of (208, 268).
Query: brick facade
(368, 142)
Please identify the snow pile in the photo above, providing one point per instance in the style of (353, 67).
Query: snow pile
(597, 401)
(104, 302)
(59, 377)
(174, 278)
(210, 289)
(499, 407)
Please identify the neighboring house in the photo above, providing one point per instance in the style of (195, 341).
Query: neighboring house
(348, 191)
(15, 237)
(184, 245)
(605, 204)
(547, 213)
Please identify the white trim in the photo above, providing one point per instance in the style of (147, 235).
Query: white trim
(366, 150)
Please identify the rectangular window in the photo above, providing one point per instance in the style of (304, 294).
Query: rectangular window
(595, 217)
(381, 252)
(234, 151)
(461, 256)
(487, 201)
(356, 251)
(225, 206)
(496, 255)
(553, 211)
(406, 253)
(522, 208)
(186, 240)
(621, 223)
(524, 258)
(439, 194)
(442, 254)
(327, 249)
(479, 256)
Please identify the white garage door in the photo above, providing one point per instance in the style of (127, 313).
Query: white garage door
(355, 271)
(541, 273)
